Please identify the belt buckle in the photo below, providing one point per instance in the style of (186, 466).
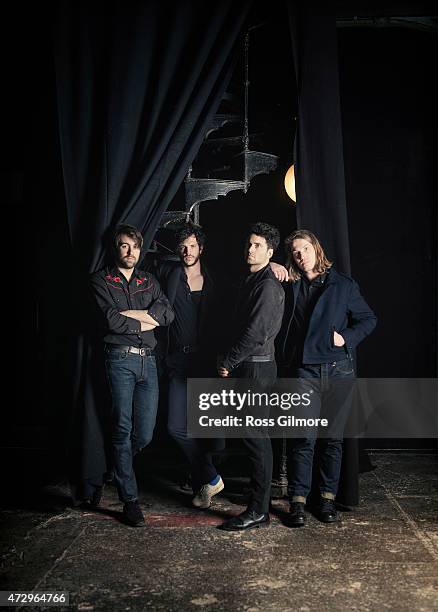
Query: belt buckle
(142, 352)
(186, 349)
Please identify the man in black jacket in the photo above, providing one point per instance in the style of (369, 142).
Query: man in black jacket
(258, 315)
(131, 305)
(191, 346)
(325, 319)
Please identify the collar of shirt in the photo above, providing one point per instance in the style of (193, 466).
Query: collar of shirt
(253, 277)
(318, 281)
(119, 277)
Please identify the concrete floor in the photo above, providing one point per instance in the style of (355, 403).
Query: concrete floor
(381, 556)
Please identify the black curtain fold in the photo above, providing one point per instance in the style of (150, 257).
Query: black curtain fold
(319, 161)
(137, 85)
(319, 158)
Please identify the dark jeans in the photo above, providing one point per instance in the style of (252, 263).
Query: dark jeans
(134, 390)
(259, 450)
(197, 451)
(332, 385)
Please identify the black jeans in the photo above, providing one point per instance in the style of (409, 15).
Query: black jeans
(259, 449)
(332, 385)
(198, 452)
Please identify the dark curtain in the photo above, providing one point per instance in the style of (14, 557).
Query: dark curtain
(318, 146)
(137, 85)
(319, 161)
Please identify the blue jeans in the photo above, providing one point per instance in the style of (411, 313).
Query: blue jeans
(133, 384)
(197, 451)
(332, 385)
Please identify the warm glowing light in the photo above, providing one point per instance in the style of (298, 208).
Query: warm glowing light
(289, 183)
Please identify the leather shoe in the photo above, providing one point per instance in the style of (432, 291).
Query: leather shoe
(132, 514)
(327, 511)
(297, 516)
(246, 520)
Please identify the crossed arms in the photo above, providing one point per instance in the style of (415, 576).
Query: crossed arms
(143, 317)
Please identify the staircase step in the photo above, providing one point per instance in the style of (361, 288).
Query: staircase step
(230, 141)
(257, 162)
(201, 189)
(173, 217)
(221, 119)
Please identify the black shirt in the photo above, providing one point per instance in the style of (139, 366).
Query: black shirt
(113, 294)
(184, 330)
(213, 308)
(308, 295)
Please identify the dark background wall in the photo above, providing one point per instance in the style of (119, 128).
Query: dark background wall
(388, 110)
(389, 119)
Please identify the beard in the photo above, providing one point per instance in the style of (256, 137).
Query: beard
(123, 262)
(190, 262)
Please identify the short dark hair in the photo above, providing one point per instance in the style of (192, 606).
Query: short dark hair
(268, 232)
(187, 230)
(127, 230)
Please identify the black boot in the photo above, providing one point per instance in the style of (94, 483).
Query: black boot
(297, 515)
(132, 514)
(327, 511)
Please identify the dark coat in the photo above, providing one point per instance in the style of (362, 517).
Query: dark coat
(340, 308)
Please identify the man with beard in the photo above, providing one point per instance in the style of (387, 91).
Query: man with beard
(258, 315)
(131, 305)
(191, 346)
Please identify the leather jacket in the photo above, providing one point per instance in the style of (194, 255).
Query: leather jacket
(258, 315)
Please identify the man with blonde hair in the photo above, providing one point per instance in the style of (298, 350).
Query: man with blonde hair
(325, 318)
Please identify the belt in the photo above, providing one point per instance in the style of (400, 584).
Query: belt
(186, 349)
(259, 358)
(129, 349)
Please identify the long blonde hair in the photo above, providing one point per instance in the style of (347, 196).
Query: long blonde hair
(322, 263)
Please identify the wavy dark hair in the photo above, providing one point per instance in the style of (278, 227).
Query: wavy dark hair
(268, 232)
(127, 230)
(322, 264)
(187, 230)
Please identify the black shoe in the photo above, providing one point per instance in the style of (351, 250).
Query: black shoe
(247, 520)
(327, 511)
(297, 516)
(132, 514)
(93, 502)
(97, 497)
